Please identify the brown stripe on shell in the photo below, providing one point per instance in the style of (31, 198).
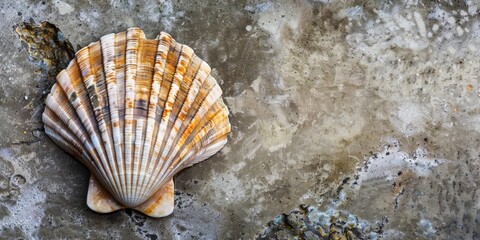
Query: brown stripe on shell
(108, 47)
(120, 50)
(145, 70)
(154, 115)
(131, 59)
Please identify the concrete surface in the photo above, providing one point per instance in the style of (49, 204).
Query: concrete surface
(365, 108)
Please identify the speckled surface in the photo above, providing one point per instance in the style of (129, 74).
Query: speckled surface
(365, 108)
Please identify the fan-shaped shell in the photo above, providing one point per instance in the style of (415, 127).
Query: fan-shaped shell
(136, 111)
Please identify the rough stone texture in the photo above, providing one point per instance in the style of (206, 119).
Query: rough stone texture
(47, 46)
(369, 108)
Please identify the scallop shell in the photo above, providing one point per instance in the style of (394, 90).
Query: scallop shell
(136, 111)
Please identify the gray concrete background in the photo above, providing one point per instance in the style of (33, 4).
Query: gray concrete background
(365, 107)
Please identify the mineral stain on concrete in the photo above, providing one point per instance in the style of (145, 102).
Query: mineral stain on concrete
(364, 110)
(47, 46)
